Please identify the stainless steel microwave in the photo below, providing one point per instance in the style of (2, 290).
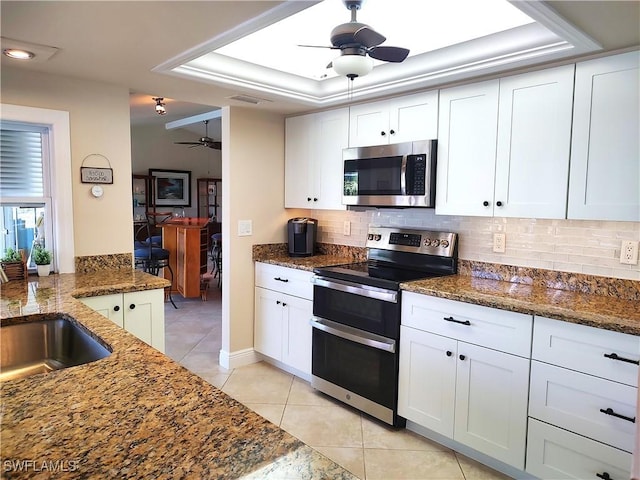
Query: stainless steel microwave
(396, 175)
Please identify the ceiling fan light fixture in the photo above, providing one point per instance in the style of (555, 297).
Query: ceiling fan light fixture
(352, 66)
(160, 110)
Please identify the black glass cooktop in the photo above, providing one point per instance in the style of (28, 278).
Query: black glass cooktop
(374, 274)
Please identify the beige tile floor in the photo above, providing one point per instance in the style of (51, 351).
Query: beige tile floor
(367, 448)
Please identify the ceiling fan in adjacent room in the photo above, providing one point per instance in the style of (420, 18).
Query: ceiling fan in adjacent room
(359, 44)
(205, 141)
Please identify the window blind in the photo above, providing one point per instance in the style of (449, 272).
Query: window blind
(21, 170)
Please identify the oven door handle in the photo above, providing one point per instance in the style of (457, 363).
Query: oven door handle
(357, 289)
(353, 334)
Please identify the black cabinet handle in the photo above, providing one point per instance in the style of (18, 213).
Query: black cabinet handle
(609, 411)
(499, 203)
(284, 304)
(449, 353)
(281, 279)
(116, 308)
(277, 302)
(604, 476)
(308, 199)
(132, 306)
(383, 133)
(315, 199)
(392, 132)
(485, 203)
(462, 357)
(614, 356)
(461, 322)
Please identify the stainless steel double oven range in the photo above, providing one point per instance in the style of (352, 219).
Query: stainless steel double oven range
(356, 316)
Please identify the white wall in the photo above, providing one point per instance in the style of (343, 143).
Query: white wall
(152, 146)
(253, 189)
(99, 123)
(579, 246)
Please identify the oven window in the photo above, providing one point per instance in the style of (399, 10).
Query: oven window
(373, 176)
(367, 371)
(375, 316)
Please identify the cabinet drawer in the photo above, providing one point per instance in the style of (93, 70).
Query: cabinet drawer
(583, 348)
(574, 401)
(489, 327)
(286, 280)
(558, 454)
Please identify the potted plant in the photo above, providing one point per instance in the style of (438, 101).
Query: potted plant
(42, 259)
(14, 264)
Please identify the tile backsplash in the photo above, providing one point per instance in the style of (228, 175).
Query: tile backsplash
(580, 246)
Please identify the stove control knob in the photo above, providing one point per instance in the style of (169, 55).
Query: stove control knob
(435, 243)
(377, 237)
(444, 243)
(427, 242)
(370, 236)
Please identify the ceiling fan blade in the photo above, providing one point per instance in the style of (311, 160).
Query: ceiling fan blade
(187, 143)
(368, 37)
(389, 54)
(319, 46)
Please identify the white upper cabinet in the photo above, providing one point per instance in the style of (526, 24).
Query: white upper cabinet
(313, 159)
(504, 146)
(467, 127)
(534, 132)
(403, 119)
(605, 154)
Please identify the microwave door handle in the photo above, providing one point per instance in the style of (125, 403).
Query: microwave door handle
(358, 336)
(403, 175)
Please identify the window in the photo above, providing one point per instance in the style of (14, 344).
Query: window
(25, 190)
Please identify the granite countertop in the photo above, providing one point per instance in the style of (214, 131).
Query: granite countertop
(306, 263)
(599, 311)
(136, 413)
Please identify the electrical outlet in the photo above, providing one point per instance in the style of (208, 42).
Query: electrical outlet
(499, 242)
(629, 252)
(346, 228)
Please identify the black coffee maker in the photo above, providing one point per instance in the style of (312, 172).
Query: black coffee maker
(302, 233)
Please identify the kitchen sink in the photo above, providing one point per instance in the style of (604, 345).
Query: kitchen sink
(44, 345)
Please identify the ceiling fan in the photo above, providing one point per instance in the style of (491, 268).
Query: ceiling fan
(358, 44)
(205, 141)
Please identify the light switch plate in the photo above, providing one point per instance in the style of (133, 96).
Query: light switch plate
(245, 228)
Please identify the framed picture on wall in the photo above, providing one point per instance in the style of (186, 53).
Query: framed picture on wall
(172, 187)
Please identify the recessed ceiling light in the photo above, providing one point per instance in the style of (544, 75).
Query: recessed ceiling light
(18, 54)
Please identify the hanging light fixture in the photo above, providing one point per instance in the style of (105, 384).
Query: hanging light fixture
(160, 110)
(352, 66)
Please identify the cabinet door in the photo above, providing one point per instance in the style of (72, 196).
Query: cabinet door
(144, 316)
(297, 333)
(605, 167)
(268, 323)
(491, 403)
(109, 306)
(369, 124)
(413, 117)
(330, 136)
(534, 132)
(426, 385)
(467, 130)
(298, 162)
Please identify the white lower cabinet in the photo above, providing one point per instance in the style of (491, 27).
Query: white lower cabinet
(139, 313)
(281, 326)
(461, 389)
(554, 453)
(583, 401)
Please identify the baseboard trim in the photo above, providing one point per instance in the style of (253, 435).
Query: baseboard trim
(238, 359)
